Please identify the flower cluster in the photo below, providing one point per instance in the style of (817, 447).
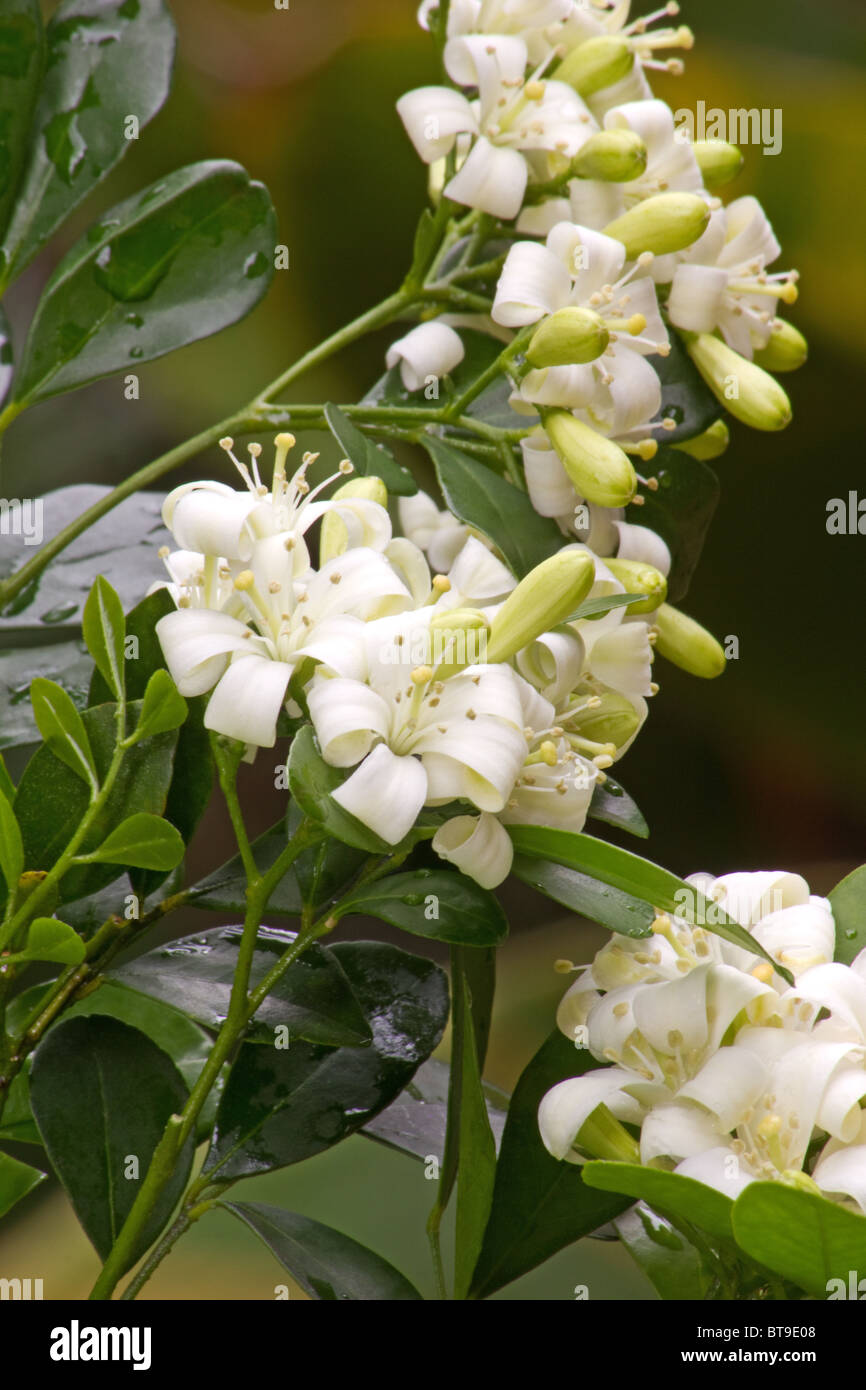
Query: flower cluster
(730, 1073)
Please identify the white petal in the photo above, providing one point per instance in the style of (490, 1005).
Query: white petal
(622, 659)
(478, 577)
(592, 259)
(844, 1171)
(719, 1168)
(196, 644)
(479, 763)
(430, 350)
(248, 699)
(749, 897)
(801, 937)
(565, 1109)
(486, 61)
(215, 523)
(433, 116)
(728, 1084)
(696, 297)
(750, 236)
(553, 664)
(478, 846)
(347, 716)
(571, 387)
(839, 1113)
(549, 486)
(534, 282)
(407, 559)
(492, 180)
(677, 1131)
(359, 582)
(385, 793)
(640, 543)
(837, 988)
(419, 517)
(340, 645)
(539, 219)
(595, 204)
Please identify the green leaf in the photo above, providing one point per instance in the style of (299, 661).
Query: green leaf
(313, 1000)
(670, 1193)
(104, 630)
(143, 841)
(434, 903)
(11, 846)
(680, 511)
(848, 901)
(65, 662)
(635, 876)
(612, 804)
(17, 1123)
(7, 786)
(415, 1122)
(539, 1205)
(102, 1094)
(597, 607)
(162, 708)
(610, 907)
(367, 457)
(62, 728)
(477, 1160)
(326, 1264)
(225, 889)
(311, 781)
(48, 939)
(16, 1179)
(21, 60)
(671, 1263)
(105, 60)
(686, 398)
(176, 263)
(281, 1107)
(51, 799)
(803, 1237)
(496, 508)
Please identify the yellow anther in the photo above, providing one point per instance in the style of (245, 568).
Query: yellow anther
(763, 971)
(636, 324)
(563, 967)
(441, 583)
(245, 581)
(422, 674)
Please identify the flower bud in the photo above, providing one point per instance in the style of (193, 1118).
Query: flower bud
(688, 645)
(785, 352)
(545, 598)
(334, 536)
(568, 337)
(614, 720)
(599, 469)
(636, 577)
(662, 224)
(718, 161)
(615, 156)
(746, 390)
(709, 445)
(597, 63)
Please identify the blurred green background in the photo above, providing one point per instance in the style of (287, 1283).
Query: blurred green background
(764, 768)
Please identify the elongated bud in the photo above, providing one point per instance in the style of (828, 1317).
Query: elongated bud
(688, 645)
(718, 161)
(785, 352)
(334, 536)
(599, 469)
(545, 598)
(664, 223)
(595, 64)
(636, 577)
(459, 638)
(746, 390)
(616, 156)
(614, 720)
(709, 445)
(568, 337)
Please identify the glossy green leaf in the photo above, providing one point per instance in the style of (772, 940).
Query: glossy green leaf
(313, 1000)
(415, 1122)
(671, 1263)
(62, 728)
(680, 511)
(176, 263)
(326, 1264)
(477, 1158)
(368, 458)
(803, 1237)
(281, 1107)
(612, 804)
(142, 841)
(539, 1205)
(21, 60)
(102, 1093)
(16, 1178)
(598, 607)
(610, 907)
(49, 939)
(848, 901)
(51, 799)
(686, 398)
(225, 889)
(162, 708)
(104, 630)
(106, 59)
(68, 663)
(434, 903)
(637, 877)
(311, 781)
(496, 508)
(670, 1193)
(11, 846)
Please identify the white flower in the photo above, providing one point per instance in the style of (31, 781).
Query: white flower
(431, 350)
(722, 282)
(432, 529)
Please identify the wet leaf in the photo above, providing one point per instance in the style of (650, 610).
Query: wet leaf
(434, 903)
(21, 60)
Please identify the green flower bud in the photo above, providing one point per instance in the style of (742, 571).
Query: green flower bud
(688, 645)
(746, 390)
(603, 1136)
(545, 598)
(595, 64)
(599, 469)
(569, 336)
(709, 445)
(637, 577)
(458, 639)
(616, 156)
(334, 536)
(664, 223)
(718, 161)
(785, 352)
(614, 721)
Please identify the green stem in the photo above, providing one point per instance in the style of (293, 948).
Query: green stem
(496, 369)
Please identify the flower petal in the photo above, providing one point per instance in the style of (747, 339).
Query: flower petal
(197, 643)
(478, 846)
(347, 716)
(247, 700)
(534, 282)
(433, 117)
(385, 793)
(697, 296)
(491, 179)
(431, 350)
